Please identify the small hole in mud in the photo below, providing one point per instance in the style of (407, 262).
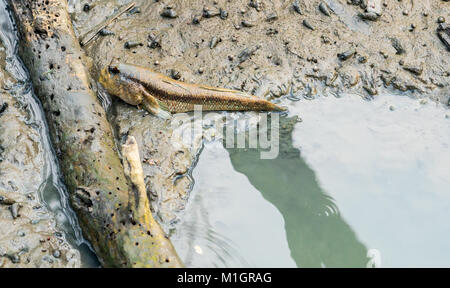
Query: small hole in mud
(52, 96)
(63, 48)
(97, 192)
(133, 222)
(47, 46)
(110, 193)
(167, 260)
(56, 113)
(112, 214)
(137, 243)
(51, 66)
(117, 178)
(69, 88)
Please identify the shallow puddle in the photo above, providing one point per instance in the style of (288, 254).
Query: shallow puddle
(386, 163)
(227, 222)
(360, 183)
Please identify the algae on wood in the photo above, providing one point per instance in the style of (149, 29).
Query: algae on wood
(82, 137)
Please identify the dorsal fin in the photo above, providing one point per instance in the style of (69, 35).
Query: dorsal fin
(239, 93)
(176, 85)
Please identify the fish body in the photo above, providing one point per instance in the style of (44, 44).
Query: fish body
(138, 85)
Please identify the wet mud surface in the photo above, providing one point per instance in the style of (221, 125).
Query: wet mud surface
(274, 48)
(29, 233)
(278, 50)
(166, 166)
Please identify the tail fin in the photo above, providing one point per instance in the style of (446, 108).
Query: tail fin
(278, 108)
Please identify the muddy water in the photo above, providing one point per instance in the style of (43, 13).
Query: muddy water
(386, 165)
(52, 190)
(356, 183)
(220, 227)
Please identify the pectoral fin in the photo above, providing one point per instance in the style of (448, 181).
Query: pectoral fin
(155, 106)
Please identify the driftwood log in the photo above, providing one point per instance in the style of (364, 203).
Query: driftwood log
(107, 209)
(141, 211)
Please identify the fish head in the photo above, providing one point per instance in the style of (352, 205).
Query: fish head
(111, 79)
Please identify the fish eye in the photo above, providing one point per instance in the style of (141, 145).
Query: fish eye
(113, 69)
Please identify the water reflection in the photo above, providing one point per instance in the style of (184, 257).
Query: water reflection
(246, 212)
(201, 244)
(386, 164)
(227, 222)
(317, 235)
